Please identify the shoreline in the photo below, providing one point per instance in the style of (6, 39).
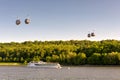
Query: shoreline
(22, 64)
(91, 65)
(11, 64)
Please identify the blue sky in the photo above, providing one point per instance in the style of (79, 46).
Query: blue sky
(59, 20)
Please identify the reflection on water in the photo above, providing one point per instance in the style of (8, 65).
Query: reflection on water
(66, 73)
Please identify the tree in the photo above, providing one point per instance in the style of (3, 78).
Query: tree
(48, 58)
(71, 58)
(110, 58)
(81, 59)
(55, 58)
(36, 58)
(0, 59)
(95, 59)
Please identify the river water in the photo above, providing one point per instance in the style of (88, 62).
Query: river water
(66, 73)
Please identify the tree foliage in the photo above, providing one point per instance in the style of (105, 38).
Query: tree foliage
(73, 52)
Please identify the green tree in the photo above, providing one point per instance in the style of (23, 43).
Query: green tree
(36, 58)
(110, 58)
(55, 58)
(48, 59)
(95, 59)
(81, 59)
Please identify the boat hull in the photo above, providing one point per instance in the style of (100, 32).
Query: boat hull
(44, 65)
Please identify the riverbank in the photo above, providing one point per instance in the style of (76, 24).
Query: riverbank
(11, 64)
(87, 65)
(22, 64)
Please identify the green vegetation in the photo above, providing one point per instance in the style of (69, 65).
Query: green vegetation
(10, 64)
(73, 52)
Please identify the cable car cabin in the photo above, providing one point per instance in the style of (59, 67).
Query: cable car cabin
(27, 21)
(18, 22)
(92, 34)
(89, 35)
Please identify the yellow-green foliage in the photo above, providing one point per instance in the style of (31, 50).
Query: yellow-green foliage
(73, 52)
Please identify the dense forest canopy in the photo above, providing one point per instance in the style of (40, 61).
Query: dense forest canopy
(72, 52)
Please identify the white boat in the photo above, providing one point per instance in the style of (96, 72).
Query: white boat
(44, 64)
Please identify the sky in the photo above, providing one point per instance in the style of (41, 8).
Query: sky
(59, 20)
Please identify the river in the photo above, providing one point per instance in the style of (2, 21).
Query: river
(66, 73)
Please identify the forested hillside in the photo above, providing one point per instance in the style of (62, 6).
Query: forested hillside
(73, 52)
